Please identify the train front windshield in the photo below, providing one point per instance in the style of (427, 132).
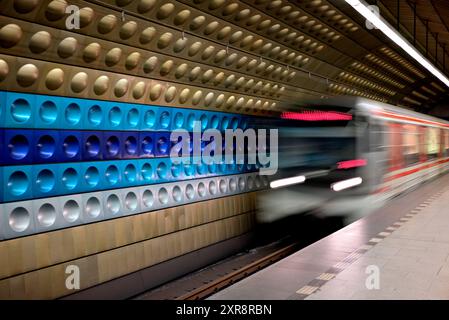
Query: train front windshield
(316, 140)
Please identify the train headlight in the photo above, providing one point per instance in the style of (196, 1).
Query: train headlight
(346, 184)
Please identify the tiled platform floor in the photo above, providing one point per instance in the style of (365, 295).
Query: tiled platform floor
(406, 242)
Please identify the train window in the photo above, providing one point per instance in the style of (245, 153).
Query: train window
(410, 144)
(446, 143)
(432, 142)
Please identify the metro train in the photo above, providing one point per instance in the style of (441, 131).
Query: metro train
(346, 156)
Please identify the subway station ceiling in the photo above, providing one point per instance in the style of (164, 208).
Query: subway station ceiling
(247, 56)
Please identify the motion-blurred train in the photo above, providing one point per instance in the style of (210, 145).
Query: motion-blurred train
(347, 156)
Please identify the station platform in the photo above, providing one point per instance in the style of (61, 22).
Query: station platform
(400, 252)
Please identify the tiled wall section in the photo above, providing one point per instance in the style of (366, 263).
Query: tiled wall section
(85, 119)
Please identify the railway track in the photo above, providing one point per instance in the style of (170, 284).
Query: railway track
(237, 275)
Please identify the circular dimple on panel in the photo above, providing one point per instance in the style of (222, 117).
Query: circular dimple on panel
(162, 145)
(184, 95)
(190, 192)
(220, 55)
(231, 59)
(73, 114)
(112, 175)
(27, 75)
(211, 28)
(46, 146)
(177, 194)
(115, 116)
(145, 5)
(130, 173)
(132, 60)
(215, 4)
(209, 98)
(20, 110)
(164, 119)
(128, 30)
(10, 35)
(166, 67)
(181, 17)
(19, 219)
(133, 117)
(150, 118)
(230, 102)
(91, 52)
(147, 145)
(18, 147)
(212, 187)
(71, 146)
(197, 96)
(121, 88)
(107, 24)
(189, 170)
(71, 211)
(131, 145)
(194, 48)
(139, 90)
(147, 35)
(230, 9)
(250, 182)
(150, 64)
(162, 170)
(48, 112)
(194, 73)
(112, 146)
(236, 36)
(113, 204)
(207, 75)
(101, 85)
(219, 77)
(243, 14)
(165, 11)
(163, 196)
(56, 10)
(147, 171)
(197, 22)
(178, 120)
(214, 122)
(131, 201)
(46, 215)
(148, 198)
(180, 45)
(253, 20)
(79, 82)
(208, 52)
(67, 47)
(223, 186)
(246, 41)
(94, 115)
(164, 40)
(93, 207)
(155, 91)
(39, 42)
(232, 185)
(224, 32)
(4, 69)
(86, 16)
(201, 189)
(18, 183)
(219, 101)
(170, 94)
(242, 61)
(25, 6)
(70, 178)
(242, 184)
(92, 176)
(181, 70)
(54, 79)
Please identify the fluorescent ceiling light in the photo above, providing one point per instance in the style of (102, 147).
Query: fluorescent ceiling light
(287, 182)
(391, 33)
(345, 184)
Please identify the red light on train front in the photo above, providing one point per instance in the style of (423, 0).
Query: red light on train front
(351, 164)
(317, 116)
